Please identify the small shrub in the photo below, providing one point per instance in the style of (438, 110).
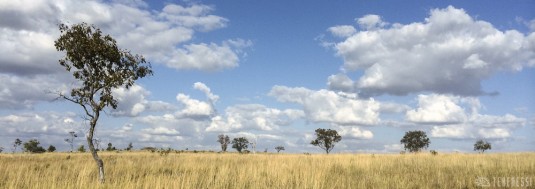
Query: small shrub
(433, 152)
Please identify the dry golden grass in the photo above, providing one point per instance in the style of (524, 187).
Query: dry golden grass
(210, 170)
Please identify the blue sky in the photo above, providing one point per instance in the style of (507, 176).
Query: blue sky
(277, 70)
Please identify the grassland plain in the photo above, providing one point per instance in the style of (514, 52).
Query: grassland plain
(231, 170)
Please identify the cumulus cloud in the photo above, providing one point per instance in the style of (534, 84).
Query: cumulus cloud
(351, 132)
(439, 109)
(370, 22)
(458, 117)
(162, 36)
(448, 52)
(342, 31)
(331, 107)
(253, 116)
(132, 102)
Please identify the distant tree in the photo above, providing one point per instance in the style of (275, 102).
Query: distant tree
(71, 140)
(17, 143)
(279, 148)
(129, 146)
(81, 149)
(110, 147)
(414, 141)
(51, 148)
(326, 138)
(240, 144)
(224, 140)
(1, 149)
(32, 146)
(481, 146)
(98, 64)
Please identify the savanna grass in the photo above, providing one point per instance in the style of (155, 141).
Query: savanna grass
(231, 170)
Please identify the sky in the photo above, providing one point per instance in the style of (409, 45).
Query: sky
(274, 71)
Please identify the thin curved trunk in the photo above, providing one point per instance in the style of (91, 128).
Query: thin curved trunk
(97, 159)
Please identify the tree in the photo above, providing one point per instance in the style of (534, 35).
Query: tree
(51, 148)
(279, 148)
(32, 146)
(414, 141)
(71, 140)
(17, 142)
(326, 138)
(240, 143)
(224, 140)
(100, 66)
(1, 149)
(129, 146)
(81, 149)
(481, 146)
(110, 147)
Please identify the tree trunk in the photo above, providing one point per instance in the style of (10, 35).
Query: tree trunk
(97, 159)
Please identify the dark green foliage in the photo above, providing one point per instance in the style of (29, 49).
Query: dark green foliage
(240, 144)
(129, 146)
(110, 147)
(326, 139)
(32, 146)
(224, 140)
(1, 149)
(17, 142)
(414, 141)
(51, 148)
(279, 148)
(81, 149)
(481, 146)
(433, 152)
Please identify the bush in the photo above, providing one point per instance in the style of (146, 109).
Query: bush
(81, 149)
(32, 146)
(51, 148)
(433, 152)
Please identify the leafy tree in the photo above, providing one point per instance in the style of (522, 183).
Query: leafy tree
(129, 146)
(414, 141)
(110, 147)
(32, 146)
(481, 146)
(224, 140)
(240, 144)
(97, 62)
(51, 148)
(81, 149)
(71, 140)
(326, 138)
(279, 148)
(17, 142)
(1, 149)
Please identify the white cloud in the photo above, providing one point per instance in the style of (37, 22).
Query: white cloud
(342, 31)
(459, 117)
(328, 106)
(132, 102)
(450, 52)
(340, 82)
(370, 22)
(439, 109)
(21, 92)
(207, 57)
(351, 132)
(193, 107)
(253, 116)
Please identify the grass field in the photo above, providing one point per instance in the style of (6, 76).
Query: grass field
(230, 170)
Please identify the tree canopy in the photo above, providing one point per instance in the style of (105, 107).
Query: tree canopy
(326, 139)
(414, 141)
